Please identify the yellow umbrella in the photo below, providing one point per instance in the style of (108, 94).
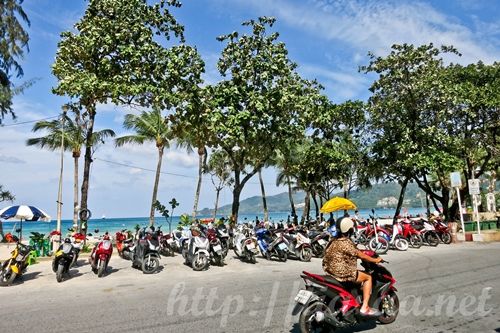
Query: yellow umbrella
(337, 203)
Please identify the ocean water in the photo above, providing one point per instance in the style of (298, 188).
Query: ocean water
(113, 225)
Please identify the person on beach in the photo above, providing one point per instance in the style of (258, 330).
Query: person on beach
(340, 261)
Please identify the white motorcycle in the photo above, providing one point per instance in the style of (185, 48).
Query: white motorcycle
(299, 245)
(196, 251)
(245, 244)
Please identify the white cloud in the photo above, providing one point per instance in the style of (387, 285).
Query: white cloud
(376, 25)
(180, 158)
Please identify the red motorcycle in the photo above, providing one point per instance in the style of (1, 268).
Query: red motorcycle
(443, 231)
(124, 244)
(216, 251)
(100, 256)
(327, 304)
(413, 235)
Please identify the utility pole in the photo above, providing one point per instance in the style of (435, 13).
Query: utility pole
(59, 193)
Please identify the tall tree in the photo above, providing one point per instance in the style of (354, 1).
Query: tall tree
(220, 170)
(150, 126)
(125, 52)
(74, 138)
(13, 41)
(409, 112)
(258, 104)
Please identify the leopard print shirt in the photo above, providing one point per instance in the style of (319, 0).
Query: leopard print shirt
(340, 260)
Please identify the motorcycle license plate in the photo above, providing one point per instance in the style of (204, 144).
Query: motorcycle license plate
(217, 248)
(170, 241)
(250, 246)
(303, 297)
(321, 242)
(282, 246)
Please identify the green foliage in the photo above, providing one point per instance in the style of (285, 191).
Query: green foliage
(259, 103)
(13, 40)
(6, 195)
(185, 221)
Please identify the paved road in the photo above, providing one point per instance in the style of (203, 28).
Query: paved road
(453, 288)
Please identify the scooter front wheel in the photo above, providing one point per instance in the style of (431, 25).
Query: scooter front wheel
(415, 241)
(59, 273)
(380, 247)
(150, 265)
(401, 244)
(282, 255)
(101, 268)
(446, 238)
(305, 254)
(7, 276)
(389, 308)
(200, 262)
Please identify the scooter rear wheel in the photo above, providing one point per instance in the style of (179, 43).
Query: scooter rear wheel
(401, 244)
(318, 250)
(307, 318)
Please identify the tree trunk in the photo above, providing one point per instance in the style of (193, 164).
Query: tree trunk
(290, 197)
(217, 192)
(86, 166)
(75, 189)
(400, 201)
(201, 162)
(315, 204)
(264, 202)
(307, 205)
(155, 187)
(236, 203)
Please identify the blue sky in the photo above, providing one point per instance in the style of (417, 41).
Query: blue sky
(328, 39)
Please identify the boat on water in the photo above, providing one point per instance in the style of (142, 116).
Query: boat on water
(103, 217)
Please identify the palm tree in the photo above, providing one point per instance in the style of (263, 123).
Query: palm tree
(219, 167)
(191, 141)
(4, 196)
(150, 126)
(74, 138)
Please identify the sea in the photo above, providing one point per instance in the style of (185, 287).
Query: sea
(112, 225)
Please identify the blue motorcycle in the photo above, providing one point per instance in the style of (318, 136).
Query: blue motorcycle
(272, 244)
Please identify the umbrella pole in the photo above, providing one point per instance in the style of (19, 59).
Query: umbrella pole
(21, 232)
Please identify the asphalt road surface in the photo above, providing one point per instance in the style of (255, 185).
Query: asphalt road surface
(454, 288)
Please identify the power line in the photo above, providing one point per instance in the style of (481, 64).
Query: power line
(28, 122)
(162, 172)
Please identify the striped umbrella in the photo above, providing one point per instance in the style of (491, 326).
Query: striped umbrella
(24, 212)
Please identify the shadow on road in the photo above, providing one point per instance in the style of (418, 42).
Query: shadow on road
(365, 326)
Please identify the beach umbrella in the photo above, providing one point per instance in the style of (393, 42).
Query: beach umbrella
(337, 203)
(24, 212)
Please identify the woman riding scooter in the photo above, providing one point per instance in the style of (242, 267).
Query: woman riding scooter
(340, 261)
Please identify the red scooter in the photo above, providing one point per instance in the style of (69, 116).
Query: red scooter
(327, 304)
(101, 254)
(413, 235)
(443, 231)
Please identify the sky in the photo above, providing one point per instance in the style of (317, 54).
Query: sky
(328, 39)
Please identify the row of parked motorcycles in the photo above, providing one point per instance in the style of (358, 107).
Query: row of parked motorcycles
(404, 233)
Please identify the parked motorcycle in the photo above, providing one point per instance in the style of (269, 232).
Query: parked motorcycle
(319, 240)
(299, 245)
(378, 238)
(195, 251)
(327, 304)
(77, 241)
(63, 259)
(166, 242)
(100, 256)
(272, 244)
(397, 241)
(16, 265)
(145, 255)
(245, 245)
(223, 235)
(217, 253)
(124, 244)
(443, 231)
(428, 232)
(413, 235)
